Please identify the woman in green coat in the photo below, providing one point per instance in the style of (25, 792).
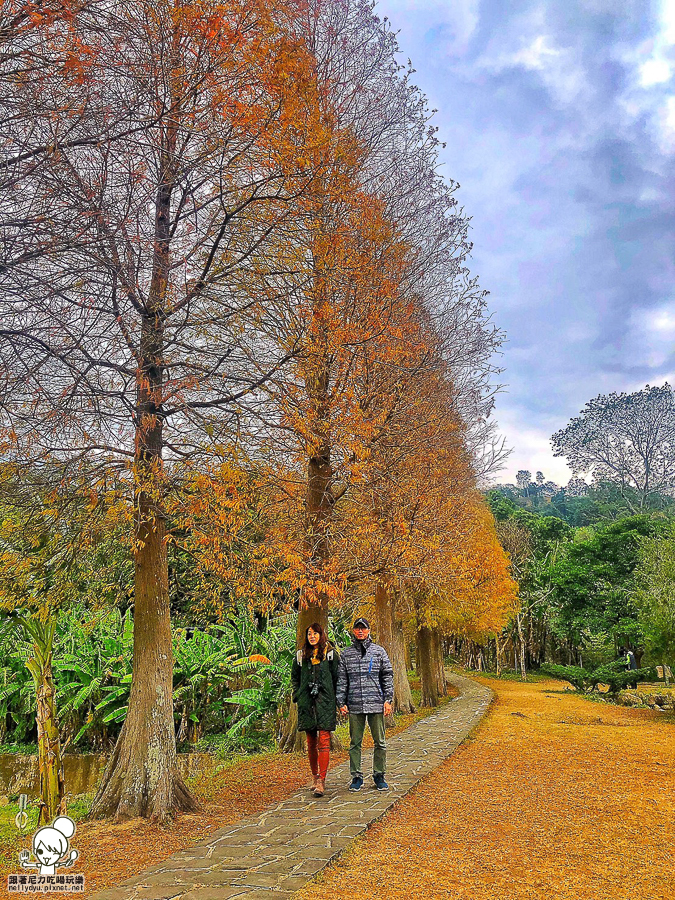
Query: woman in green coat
(314, 678)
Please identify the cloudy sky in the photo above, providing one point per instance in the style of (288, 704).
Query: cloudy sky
(559, 118)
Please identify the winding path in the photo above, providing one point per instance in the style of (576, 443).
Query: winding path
(272, 855)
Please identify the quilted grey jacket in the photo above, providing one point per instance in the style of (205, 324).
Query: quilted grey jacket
(365, 678)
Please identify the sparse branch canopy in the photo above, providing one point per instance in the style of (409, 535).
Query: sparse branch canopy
(152, 154)
(628, 439)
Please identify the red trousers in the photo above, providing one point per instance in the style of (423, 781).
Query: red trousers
(318, 751)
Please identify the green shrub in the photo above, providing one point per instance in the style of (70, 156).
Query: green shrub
(613, 674)
(579, 678)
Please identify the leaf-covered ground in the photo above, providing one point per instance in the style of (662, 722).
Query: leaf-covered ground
(110, 853)
(554, 797)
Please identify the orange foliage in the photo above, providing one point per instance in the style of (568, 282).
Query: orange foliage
(417, 519)
(218, 518)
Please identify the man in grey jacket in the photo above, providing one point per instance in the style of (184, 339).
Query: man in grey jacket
(365, 690)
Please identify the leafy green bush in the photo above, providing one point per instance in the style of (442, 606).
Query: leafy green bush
(618, 681)
(92, 670)
(579, 678)
(20, 749)
(17, 693)
(613, 674)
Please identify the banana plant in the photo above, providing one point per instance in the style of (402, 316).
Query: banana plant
(17, 692)
(204, 665)
(94, 676)
(265, 698)
(39, 662)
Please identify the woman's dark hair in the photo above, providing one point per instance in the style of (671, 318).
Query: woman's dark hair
(307, 649)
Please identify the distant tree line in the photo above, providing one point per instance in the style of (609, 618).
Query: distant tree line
(595, 561)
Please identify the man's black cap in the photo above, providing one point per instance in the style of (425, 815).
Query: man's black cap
(361, 622)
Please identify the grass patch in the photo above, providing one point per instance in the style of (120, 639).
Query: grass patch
(12, 840)
(224, 747)
(20, 749)
(509, 675)
(212, 779)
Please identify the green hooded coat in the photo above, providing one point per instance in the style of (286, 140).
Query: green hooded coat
(320, 713)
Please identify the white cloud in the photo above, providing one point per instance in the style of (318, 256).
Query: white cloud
(531, 449)
(668, 21)
(668, 127)
(536, 55)
(651, 337)
(653, 65)
(663, 322)
(532, 49)
(655, 71)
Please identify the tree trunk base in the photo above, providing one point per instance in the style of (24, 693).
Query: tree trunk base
(428, 670)
(133, 786)
(291, 740)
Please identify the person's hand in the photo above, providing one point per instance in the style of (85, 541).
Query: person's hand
(344, 710)
(388, 709)
(24, 856)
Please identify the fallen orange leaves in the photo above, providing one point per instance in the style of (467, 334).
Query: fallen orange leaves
(552, 798)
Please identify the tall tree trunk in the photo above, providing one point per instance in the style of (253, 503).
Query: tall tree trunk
(390, 636)
(498, 654)
(141, 778)
(521, 644)
(438, 663)
(407, 650)
(427, 669)
(384, 623)
(291, 740)
(403, 699)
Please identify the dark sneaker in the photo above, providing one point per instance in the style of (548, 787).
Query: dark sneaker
(357, 783)
(380, 783)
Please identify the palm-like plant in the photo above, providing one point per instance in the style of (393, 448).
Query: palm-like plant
(93, 671)
(204, 667)
(17, 691)
(266, 696)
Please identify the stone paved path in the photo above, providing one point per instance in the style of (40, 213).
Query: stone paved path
(273, 854)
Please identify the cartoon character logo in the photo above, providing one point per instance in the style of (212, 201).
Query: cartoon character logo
(51, 846)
